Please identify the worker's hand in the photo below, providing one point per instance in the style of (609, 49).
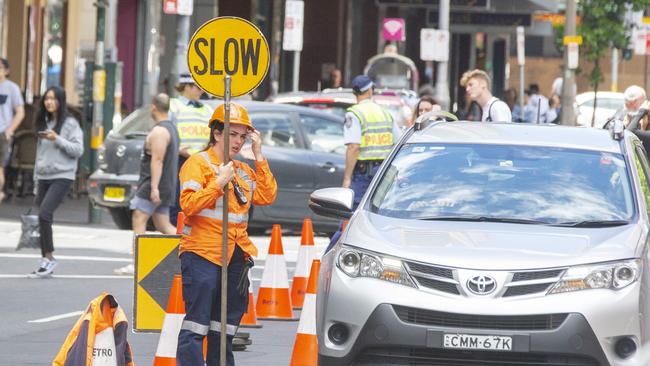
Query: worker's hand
(225, 173)
(256, 139)
(154, 197)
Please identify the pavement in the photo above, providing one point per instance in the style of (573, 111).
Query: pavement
(39, 313)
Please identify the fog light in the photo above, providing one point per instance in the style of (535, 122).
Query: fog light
(625, 347)
(338, 333)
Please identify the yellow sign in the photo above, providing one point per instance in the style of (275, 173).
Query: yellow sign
(228, 46)
(156, 263)
(573, 39)
(99, 85)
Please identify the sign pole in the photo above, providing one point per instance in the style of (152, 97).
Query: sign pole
(224, 239)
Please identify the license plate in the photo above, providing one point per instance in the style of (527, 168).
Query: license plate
(480, 342)
(114, 194)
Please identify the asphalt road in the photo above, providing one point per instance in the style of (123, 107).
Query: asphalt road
(38, 313)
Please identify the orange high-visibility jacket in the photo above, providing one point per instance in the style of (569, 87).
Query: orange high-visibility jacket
(102, 313)
(202, 203)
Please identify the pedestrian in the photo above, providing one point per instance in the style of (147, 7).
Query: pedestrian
(335, 79)
(638, 124)
(189, 115)
(426, 104)
(537, 108)
(510, 98)
(59, 147)
(158, 175)
(12, 112)
(477, 84)
(203, 178)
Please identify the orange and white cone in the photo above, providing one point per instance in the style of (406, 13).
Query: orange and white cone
(305, 349)
(180, 222)
(168, 341)
(249, 320)
(306, 254)
(273, 300)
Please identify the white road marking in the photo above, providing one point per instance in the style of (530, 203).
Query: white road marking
(56, 317)
(70, 257)
(74, 277)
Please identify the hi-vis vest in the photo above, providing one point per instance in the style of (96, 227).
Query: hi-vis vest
(202, 203)
(376, 130)
(192, 124)
(98, 338)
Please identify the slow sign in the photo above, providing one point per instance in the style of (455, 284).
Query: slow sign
(228, 46)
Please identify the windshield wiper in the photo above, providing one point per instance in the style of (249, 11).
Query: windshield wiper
(508, 220)
(593, 223)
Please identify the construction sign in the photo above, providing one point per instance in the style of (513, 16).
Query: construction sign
(156, 263)
(228, 46)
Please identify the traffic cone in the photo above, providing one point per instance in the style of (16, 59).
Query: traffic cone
(305, 349)
(249, 320)
(306, 254)
(180, 222)
(168, 341)
(273, 300)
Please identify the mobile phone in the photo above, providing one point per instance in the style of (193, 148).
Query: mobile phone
(42, 133)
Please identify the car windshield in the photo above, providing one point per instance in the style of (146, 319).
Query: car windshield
(534, 184)
(137, 123)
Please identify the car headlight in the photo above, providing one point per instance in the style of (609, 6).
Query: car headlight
(614, 276)
(357, 263)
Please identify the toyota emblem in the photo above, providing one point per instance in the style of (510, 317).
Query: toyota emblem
(481, 285)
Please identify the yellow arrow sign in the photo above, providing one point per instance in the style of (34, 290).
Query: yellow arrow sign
(228, 46)
(573, 39)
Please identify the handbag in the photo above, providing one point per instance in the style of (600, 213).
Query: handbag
(30, 236)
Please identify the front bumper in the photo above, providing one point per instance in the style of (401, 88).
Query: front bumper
(99, 180)
(385, 339)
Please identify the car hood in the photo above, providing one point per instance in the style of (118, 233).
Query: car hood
(491, 246)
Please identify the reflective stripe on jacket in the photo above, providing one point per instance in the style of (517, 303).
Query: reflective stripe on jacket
(102, 313)
(202, 203)
(376, 130)
(192, 124)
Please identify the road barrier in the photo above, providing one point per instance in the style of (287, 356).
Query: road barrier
(305, 348)
(306, 254)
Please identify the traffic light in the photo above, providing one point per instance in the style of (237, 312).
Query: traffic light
(627, 54)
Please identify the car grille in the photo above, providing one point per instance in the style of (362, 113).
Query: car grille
(526, 290)
(442, 357)
(431, 270)
(467, 321)
(536, 275)
(434, 277)
(438, 285)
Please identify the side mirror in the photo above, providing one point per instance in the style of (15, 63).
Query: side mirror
(332, 202)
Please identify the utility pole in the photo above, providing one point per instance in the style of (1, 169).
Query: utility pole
(615, 59)
(567, 116)
(99, 83)
(442, 84)
(182, 39)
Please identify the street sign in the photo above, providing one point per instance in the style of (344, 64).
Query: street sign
(228, 46)
(573, 39)
(573, 55)
(293, 23)
(434, 45)
(521, 46)
(180, 7)
(156, 263)
(394, 29)
(639, 40)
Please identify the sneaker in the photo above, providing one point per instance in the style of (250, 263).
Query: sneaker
(45, 269)
(126, 270)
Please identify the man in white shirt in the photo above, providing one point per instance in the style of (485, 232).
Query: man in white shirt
(537, 108)
(477, 85)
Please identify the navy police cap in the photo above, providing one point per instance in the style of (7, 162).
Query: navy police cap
(361, 83)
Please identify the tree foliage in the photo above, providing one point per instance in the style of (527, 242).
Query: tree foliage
(602, 28)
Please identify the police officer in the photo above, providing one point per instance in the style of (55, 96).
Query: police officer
(189, 114)
(369, 135)
(203, 178)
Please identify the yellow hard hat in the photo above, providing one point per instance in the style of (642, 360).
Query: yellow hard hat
(238, 115)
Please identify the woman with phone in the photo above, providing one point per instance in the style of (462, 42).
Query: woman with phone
(60, 144)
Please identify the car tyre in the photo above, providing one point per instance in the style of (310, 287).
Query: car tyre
(121, 217)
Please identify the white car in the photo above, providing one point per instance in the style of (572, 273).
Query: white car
(606, 105)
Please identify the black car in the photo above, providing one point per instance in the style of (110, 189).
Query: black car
(304, 148)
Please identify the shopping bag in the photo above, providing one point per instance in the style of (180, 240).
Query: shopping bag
(30, 236)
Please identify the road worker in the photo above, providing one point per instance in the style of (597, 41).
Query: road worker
(189, 115)
(203, 178)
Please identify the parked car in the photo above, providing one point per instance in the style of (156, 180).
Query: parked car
(491, 244)
(304, 148)
(399, 103)
(606, 105)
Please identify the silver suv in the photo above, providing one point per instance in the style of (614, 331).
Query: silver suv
(492, 244)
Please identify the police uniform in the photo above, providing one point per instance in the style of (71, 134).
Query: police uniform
(189, 116)
(201, 245)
